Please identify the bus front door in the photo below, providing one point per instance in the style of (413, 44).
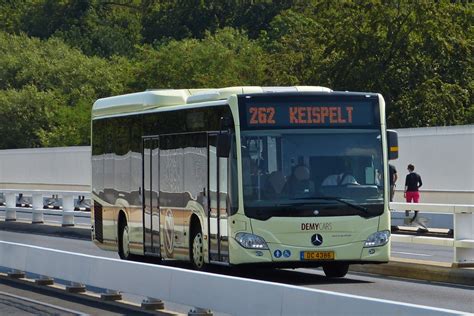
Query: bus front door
(151, 209)
(217, 210)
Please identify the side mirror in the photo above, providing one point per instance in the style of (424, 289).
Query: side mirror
(223, 145)
(392, 143)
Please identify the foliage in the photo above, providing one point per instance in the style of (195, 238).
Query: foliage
(195, 18)
(51, 70)
(58, 56)
(227, 58)
(391, 47)
(24, 113)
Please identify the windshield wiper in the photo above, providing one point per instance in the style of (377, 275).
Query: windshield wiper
(340, 200)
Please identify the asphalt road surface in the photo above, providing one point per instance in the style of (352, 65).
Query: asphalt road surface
(403, 290)
(399, 250)
(422, 252)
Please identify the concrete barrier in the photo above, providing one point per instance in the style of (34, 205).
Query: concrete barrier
(236, 296)
(58, 168)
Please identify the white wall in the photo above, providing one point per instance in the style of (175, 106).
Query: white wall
(46, 168)
(444, 158)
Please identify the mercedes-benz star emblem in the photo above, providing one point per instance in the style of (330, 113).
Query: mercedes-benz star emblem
(317, 239)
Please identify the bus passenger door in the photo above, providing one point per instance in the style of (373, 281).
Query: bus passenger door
(217, 210)
(151, 209)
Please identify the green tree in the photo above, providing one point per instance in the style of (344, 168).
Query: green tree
(23, 114)
(11, 14)
(432, 103)
(392, 47)
(295, 44)
(50, 69)
(53, 65)
(226, 58)
(171, 19)
(70, 126)
(95, 27)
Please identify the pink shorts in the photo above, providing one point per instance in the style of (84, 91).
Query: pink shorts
(413, 196)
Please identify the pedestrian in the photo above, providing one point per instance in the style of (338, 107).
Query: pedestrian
(393, 179)
(412, 184)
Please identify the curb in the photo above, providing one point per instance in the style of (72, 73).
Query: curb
(419, 270)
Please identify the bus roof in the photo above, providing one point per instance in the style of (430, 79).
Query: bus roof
(141, 101)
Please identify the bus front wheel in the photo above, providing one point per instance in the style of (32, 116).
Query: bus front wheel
(336, 270)
(197, 253)
(124, 242)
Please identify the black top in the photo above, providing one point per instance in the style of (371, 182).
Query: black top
(413, 182)
(392, 170)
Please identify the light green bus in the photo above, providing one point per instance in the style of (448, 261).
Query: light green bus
(271, 176)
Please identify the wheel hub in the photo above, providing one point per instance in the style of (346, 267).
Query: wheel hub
(125, 242)
(198, 257)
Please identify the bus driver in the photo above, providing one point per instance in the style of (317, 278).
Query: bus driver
(343, 178)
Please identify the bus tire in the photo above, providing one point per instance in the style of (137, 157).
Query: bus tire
(196, 251)
(124, 241)
(336, 270)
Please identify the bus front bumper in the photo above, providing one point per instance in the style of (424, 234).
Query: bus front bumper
(292, 256)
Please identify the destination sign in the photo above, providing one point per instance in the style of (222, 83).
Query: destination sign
(285, 115)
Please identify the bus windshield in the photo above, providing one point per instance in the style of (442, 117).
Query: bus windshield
(293, 172)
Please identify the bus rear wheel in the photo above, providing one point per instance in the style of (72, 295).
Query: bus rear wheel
(197, 253)
(124, 242)
(336, 270)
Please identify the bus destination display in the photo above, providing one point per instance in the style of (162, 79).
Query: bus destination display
(309, 115)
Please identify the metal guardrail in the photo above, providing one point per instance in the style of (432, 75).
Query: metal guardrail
(220, 293)
(463, 235)
(65, 204)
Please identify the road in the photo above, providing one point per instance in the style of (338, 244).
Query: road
(399, 250)
(422, 252)
(403, 290)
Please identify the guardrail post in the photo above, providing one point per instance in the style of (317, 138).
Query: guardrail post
(68, 210)
(463, 236)
(111, 295)
(75, 287)
(198, 311)
(151, 303)
(44, 280)
(10, 206)
(16, 274)
(37, 212)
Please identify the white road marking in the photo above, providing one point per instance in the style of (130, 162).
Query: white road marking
(412, 254)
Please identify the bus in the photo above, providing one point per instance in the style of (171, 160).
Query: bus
(270, 176)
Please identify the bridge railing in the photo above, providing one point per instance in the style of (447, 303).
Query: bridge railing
(15, 200)
(463, 235)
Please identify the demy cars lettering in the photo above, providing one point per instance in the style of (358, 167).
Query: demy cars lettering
(316, 226)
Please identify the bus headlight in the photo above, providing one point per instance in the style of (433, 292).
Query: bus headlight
(377, 239)
(251, 241)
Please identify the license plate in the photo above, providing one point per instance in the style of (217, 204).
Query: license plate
(317, 255)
